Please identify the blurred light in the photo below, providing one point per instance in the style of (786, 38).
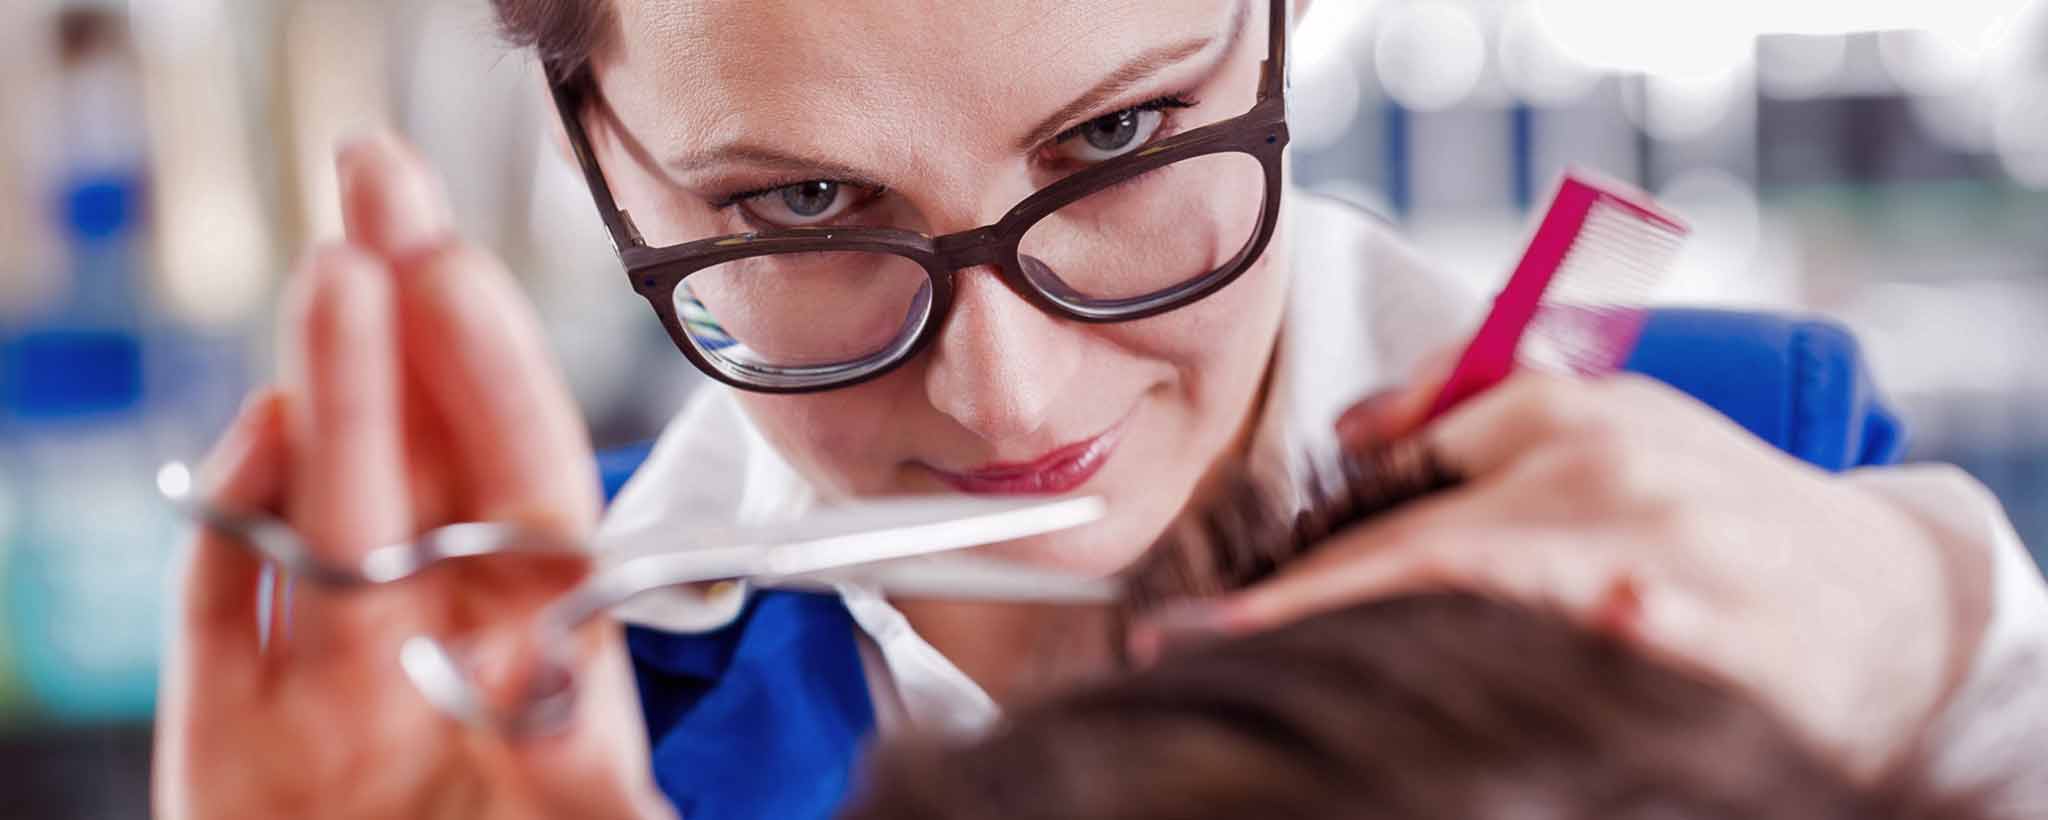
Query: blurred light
(1676, 109)
(1697, 39)
(1852, 16)
(1329, 34)
(1322, 106)
(1533, 66)
(213, 241)
(1799, 66)
(174, 480)
(335, 60)
(2020, 131)
(213, 246)
(1961, 121)
(1718, 263)
(1971, 336)
(1326, 72)
(1429, 54)
(1921, 62)
(1674, 40)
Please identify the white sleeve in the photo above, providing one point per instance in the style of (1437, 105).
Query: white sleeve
(1992, 730)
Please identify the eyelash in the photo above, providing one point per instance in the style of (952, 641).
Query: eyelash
(1166, 103)
(1170, 102)
(730, 200)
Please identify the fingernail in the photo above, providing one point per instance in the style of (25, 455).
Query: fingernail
(391, 202)
(1362, 422)
(1176, 626)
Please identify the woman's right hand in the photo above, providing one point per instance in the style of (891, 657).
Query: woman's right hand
(417, 392)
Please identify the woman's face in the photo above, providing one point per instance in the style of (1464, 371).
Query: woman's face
(939, 117)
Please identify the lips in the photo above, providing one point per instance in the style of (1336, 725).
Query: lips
(1058, 471)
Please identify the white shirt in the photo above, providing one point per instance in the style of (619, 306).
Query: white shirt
(1357, 292)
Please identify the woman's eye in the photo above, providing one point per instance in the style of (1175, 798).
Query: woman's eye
(1110, 135)
(805, 203)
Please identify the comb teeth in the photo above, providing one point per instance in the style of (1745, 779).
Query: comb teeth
(1595, 257)
(1593, 310)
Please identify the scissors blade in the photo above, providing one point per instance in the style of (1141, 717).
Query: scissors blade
(825, 539)
(888, 529)
(961, 578)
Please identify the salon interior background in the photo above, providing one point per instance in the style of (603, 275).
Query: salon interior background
(1882, 161)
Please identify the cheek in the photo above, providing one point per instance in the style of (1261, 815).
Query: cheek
(839, 439)
(1221, 342)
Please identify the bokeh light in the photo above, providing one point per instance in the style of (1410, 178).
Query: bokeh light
(1534, 67)
(1799, 66)
(1429, 54)
(2020, 131)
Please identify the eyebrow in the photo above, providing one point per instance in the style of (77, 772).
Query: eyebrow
(1123, 79)
(1130, 74)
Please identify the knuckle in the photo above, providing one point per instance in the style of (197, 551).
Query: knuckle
(340, 298)
(1604, 468)
(1551, 406)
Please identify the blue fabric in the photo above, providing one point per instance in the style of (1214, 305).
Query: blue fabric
(761, 719)
(764, 718)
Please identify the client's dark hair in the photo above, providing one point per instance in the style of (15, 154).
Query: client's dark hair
(1431, 706)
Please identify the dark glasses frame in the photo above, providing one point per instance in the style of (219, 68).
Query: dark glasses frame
(656, 272)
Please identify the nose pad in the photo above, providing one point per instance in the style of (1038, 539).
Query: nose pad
(1000, 363)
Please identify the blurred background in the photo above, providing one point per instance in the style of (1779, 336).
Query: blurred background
(1884, 162)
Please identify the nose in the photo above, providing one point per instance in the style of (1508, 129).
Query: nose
(1000, 364)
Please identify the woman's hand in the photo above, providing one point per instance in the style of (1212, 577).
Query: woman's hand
(1639, 510)
(418, 392)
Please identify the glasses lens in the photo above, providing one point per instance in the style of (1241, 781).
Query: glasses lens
(791, 320)
(1151, 238)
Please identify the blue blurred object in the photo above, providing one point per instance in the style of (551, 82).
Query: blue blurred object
(81, 575)
(54, 374)
(1798, 382)
(102, 206)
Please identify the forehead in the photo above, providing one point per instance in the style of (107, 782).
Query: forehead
(737, 66)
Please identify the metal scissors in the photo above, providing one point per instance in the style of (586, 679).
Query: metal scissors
(895, 546)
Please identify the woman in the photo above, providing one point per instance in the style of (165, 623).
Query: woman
(1138, 341)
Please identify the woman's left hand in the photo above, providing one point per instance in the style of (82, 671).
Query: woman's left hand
(1639, 510)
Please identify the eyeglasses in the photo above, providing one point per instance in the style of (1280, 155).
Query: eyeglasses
(805, 309)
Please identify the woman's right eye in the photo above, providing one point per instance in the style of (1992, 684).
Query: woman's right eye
(815, 202)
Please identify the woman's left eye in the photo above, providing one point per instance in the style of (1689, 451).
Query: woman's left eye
(1110, 135)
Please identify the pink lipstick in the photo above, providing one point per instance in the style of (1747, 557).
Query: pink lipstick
(1058, 471)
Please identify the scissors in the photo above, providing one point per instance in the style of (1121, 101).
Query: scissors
(897, 547)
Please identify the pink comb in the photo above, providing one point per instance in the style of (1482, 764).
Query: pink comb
(1576, 301)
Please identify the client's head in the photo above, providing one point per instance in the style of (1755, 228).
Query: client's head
(1431, 706)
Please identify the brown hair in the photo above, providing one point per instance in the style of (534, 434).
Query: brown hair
(1431, 706)
(564, 33)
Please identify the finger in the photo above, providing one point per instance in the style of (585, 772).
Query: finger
(1369, 568)
(222, 579)
(349, 491)
(390, 205)
(1397, 412)
(211, 662)
(596, 768)
(479, 353)
(1499, 427)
